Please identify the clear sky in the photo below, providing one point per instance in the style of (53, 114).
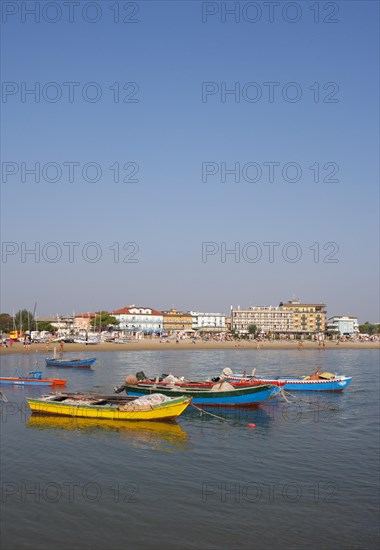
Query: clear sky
(176, 136)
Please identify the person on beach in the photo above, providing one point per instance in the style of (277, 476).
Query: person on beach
(61, 343)
(300, 344)
(27, 343)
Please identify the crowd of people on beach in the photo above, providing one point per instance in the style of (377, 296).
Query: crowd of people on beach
(259, 340)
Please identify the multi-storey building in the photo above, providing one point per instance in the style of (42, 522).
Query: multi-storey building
(306, 318)
(228, 323)
(82, 322)
(267, 319)
(340, 324)
(176, 321)
(136, 318)
(64, 324)
(293, 317)
(210, 322)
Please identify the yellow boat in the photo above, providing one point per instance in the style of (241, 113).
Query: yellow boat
(109, 407)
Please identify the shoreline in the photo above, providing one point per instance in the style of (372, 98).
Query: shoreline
(156, 345)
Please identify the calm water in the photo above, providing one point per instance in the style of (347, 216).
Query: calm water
(305, 477)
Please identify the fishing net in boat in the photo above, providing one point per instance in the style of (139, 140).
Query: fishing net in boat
(76, 402)
(171, 379)
(146, 402)
(222, 386)
(153, 399)
(226, 373)
(131, 379)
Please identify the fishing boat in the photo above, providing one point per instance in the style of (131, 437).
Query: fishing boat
(318, 381)
(221, 394)
(71, 363)
(34, 378)
(95, 406)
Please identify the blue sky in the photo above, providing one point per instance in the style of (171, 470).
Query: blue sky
(168, 134)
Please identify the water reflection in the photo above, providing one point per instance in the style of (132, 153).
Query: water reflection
(152, 435)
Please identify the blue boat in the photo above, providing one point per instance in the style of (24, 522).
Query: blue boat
(71, 363)
(298, 384)
(316, 382)
(247, 396)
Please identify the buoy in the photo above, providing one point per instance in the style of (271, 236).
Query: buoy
(251, 425)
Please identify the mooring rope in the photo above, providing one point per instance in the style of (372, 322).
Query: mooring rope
(211, 414)
(283, 392)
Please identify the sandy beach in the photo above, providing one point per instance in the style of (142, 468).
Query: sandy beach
(149, 345)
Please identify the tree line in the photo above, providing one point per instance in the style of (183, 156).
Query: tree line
(24, 320)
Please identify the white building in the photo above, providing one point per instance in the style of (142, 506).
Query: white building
(343, 325)
(267, 319)
(135, 318)
(212, 322)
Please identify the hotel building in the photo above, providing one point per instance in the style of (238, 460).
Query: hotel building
(306, 318)
(208, 322)
(267, 319)
(340, 324)
(176, 321)
(293, 317)
(136, 318)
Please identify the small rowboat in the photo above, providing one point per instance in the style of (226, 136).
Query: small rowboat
(316, 382)
(71, 363)
(34, 378)
(157, 407)
(214, 395)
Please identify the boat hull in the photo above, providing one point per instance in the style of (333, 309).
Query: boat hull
(33, 382)
(164, 411)
(298, 384)
(336, 385)
(242, 397)
(81, 364)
